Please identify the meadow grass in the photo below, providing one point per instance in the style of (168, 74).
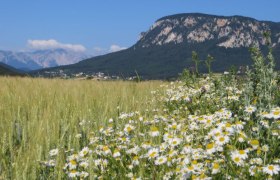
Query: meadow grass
(37, 115)
(202, 127)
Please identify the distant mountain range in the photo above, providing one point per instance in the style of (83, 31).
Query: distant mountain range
(165, 49)
(41, 58)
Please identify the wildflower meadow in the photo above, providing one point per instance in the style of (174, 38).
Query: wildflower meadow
(224, 126)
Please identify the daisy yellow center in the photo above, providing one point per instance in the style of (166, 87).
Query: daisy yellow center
(201, 118)
(210, 146)
(174, 142)
(271, 168)
(194, 176)
(276, 113)
(128, 129)
(73, 162)
(237, 159)
(255, 142)
(153, 154)
(194, 162)
(174, 126)
(228, 125)
(190, 168)
(160, 160)
(216, 166)
(221, 139)
(217, 134)
(202, 176)
(154, 128)
(105, 148)
(241, 152)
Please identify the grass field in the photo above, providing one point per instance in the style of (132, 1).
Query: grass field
(39, 114)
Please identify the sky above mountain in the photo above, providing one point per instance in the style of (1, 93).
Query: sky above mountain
(102, 26)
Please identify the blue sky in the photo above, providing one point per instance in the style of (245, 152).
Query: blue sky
(98, 25)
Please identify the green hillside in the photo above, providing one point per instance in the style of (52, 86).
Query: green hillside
(6, 70)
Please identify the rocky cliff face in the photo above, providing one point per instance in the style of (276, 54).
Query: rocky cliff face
(228, 32)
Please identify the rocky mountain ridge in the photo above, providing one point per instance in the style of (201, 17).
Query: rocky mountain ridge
(230, 32)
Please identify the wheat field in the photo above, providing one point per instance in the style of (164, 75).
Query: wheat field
(39, 114)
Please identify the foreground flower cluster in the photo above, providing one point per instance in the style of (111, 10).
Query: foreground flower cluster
(207, 131)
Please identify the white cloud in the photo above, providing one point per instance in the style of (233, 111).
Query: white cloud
(97, 51)
(53, 44)
(115, 48)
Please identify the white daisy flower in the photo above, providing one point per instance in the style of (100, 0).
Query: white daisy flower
(276, 113)
(153, 153)
(210, 148)
(215, 168)
(84, 152)
(154, 131)
(72, 164)
(175, 142)
(116, 153)
(106, 150)
(250, 109)
(53, 152)
(271, 169)
(84, 164)
(84, 174)
(73, 174)
(236, 158)
(254, 143)
(160, 160)
(222, 140)
(253, 170)
(241, 153)
(128, 128)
